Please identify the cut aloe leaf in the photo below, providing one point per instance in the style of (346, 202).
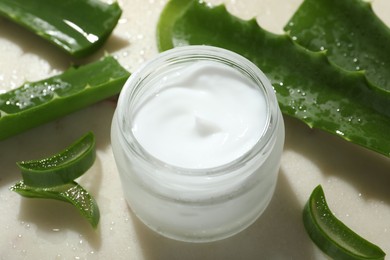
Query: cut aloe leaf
(79, 27)
(331, 235)
(61, 168)
(307, 86)
(72, 193)
(36, 103)
(352, 35)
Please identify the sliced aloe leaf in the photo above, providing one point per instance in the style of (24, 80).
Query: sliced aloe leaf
(307, 86)
(72, 193)
(60, 168)
(36, 103)
(331, 235)
(354, 37)
(79, 27)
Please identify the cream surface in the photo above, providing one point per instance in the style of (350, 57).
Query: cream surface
(205, 115)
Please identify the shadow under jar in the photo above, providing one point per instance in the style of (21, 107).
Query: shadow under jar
(197, 138)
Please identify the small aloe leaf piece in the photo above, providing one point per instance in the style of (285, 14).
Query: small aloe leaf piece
(61, 168)
(352, 35)
(79, 27)
(307, 86)
(71, 193)
(331, 235)
(39, 102)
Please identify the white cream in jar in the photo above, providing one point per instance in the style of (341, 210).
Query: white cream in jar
(204, 115)
(197, 137)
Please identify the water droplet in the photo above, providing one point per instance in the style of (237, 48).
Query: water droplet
(291, 24)
(355, 60)
(281, 83)
(122, 21)
(357, 68)
(322, 48)
(295, 38)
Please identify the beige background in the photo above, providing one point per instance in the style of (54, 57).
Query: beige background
(356, 181)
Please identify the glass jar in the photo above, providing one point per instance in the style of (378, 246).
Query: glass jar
(195, 205)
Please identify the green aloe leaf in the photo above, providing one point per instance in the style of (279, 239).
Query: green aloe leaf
(62, 167)
(354, 37)
(79, 27)
(39, 102)
(331, 235)
(71, 193)
(308, 87)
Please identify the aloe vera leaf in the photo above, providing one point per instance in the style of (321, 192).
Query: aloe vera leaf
(331, 235)
(354, 37)
(79, 27)
(71, 193)
(307, 86)
(61, 168)
(36, 103)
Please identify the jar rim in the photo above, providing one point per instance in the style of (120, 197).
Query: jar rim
(197, 52)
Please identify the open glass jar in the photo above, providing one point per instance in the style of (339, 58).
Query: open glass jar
(196, 204)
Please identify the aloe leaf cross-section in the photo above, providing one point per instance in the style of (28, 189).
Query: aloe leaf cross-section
(35, 103)
(79, 27)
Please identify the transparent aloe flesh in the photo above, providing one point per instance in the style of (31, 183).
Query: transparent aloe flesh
(354, 37)
(307, 86)
(331, 235)
(61, 168)
(36, 103)
(79, 27)
(71, 193)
